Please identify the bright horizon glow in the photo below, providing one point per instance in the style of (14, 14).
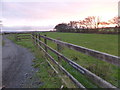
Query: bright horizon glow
(50, 13)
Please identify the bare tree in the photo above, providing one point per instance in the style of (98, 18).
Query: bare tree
(90, 22)
(115, 20)
(73, 24)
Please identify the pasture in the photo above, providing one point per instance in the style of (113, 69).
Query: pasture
(100, 42)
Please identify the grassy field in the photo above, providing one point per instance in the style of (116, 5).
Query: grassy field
(101, 42)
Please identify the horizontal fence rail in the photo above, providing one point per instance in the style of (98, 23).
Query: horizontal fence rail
(99, 55)
(19, 37)
(23, 35)
(67, 73)
(99, 81)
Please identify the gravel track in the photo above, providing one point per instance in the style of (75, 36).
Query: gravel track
(16, 64)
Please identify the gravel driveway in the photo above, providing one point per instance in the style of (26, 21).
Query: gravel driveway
(16, 64)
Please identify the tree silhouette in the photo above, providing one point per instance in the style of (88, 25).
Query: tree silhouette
(61, 27)
(90, 22)
(115, 20)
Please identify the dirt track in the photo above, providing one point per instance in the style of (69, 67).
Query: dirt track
(16, 64)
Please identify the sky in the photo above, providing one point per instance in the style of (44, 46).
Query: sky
(48, 13)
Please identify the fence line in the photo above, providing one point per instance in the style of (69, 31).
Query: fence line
(99, 81)
(19, 37)
(82, 70)
(66, 72)
(99, 55)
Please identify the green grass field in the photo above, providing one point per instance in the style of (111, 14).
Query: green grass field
(101, 42)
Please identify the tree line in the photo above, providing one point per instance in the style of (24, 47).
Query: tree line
(91, 22)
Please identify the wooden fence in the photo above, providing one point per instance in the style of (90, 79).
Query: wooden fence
(96, 54)
(20, 36)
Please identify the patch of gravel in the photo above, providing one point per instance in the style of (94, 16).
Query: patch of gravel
(17, 70)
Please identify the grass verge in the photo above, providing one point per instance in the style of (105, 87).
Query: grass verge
(45, 73)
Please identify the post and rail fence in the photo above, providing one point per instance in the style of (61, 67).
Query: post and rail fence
(43, 45)
(96, 54)
(19, 37)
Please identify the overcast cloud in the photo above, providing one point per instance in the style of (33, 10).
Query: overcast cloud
(52, 12)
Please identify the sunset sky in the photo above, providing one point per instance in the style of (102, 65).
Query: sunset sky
(48, 13)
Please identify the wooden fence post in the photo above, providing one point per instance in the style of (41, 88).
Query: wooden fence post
(16, 39)
(39, 39)
(33, 38)
(32, 35)
(45, 41)
(58, 48)
(36, 39)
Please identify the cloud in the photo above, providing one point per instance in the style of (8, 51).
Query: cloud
(47, 12)
(42, 11)
(34, 10)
